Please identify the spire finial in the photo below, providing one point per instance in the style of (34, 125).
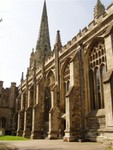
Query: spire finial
(43, 47)
(99, 9)
(58, 39)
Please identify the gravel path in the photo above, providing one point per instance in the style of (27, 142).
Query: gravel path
(51, 145)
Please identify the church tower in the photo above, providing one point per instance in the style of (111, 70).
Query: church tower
(43, 48)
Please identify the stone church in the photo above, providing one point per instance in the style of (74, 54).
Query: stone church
(68, 91)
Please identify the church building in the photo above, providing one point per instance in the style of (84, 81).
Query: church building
(68, 91)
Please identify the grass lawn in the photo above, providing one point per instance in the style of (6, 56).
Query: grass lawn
(12, 138)
(110, 149)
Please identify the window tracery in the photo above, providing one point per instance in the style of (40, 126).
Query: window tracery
(97, 70)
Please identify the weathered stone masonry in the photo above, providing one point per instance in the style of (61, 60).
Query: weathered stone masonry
(67, 92)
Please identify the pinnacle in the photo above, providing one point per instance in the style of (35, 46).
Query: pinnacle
(22, 77)
(99, 9)
(58, 39)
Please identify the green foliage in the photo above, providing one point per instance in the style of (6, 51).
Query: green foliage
(12, 138)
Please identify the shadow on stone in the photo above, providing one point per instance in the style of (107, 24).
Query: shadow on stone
(7, 147)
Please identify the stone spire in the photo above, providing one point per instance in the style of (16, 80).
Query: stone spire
(43, 47)
(99, 9)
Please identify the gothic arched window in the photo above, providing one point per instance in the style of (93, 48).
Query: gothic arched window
(66, 80)
(97, 70)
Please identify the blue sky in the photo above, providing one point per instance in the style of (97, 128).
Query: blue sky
(20, 27)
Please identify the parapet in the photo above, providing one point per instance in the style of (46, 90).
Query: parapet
(110, 8)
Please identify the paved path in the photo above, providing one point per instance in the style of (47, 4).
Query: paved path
(53, 145)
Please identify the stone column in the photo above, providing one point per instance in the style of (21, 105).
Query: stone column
(19, 129)
(67, 136)
(33, 125)
(18, 125)
(24, 124)
(53, 117)
(108, 87)
(26, 132)
(109, 51)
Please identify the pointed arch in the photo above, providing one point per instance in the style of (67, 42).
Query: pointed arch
(93, 42)
(50, 78)
(65, 80)
(67, 61)
(97, 59)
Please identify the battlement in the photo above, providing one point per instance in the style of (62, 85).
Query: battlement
(92, 25)
(13, 84)
(50, 58)
(81, 34)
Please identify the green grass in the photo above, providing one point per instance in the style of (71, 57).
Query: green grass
(12, 138)
(110, 148)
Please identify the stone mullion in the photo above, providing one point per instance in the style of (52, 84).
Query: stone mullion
(95, 90)
(102, 95)
(100, 89)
